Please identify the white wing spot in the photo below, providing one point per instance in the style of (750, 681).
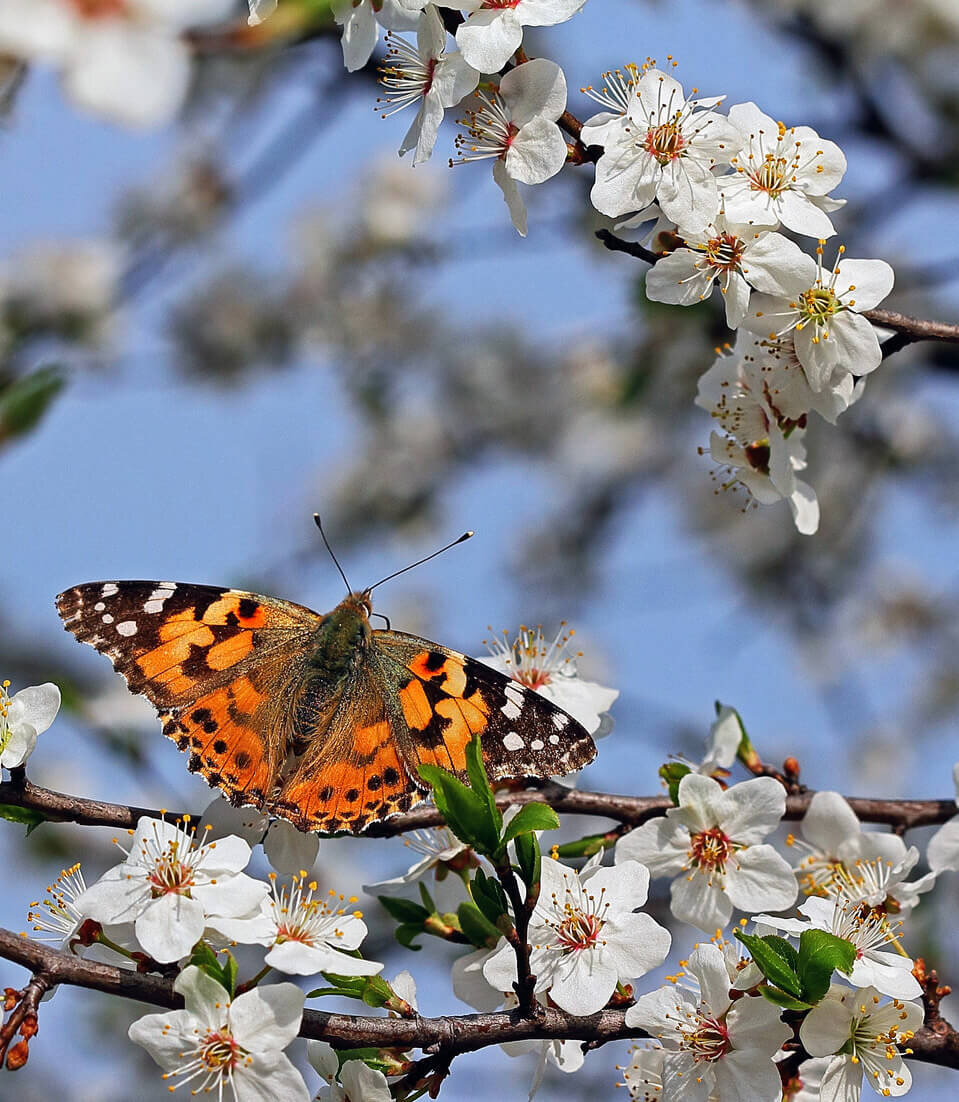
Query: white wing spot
(513, 741)
(511, 709)
(99, 606)
(128, 627)
(107, 618)
(536, 744)
(153, 606)
(560, 720)
(554, 740)
(515, 694)
(109, 589)
(160, 594)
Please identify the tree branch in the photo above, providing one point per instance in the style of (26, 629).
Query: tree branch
(630, 811)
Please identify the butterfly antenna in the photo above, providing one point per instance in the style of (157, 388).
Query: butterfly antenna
(419, 562)
(326, 542)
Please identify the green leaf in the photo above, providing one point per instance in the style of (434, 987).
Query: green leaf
(489, 896)
(479, 782)
(27, 816)
(371, 1056)
(373, 990)
(771, 964)
(585, 847)
(466, 813)
(224, 974)
(26, 400)
(780, 998)
(530, 859)
(672, 773)
(531, 817)
(404, 910)
(820, 954)
(404, 935)
(746, 752)
(481, 932)
(784, 948)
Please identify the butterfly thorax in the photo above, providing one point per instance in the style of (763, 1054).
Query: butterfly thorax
(341, 638)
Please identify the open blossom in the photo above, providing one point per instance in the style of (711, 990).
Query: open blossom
(737, 256)
(493, 30)
(23, 717)
(585, 935)
(515, 126)
(863, 1036)
(307, 933)
(170, 885)
(123, 59)
(287, 849)
(215, 1044)
(358, 1082)
(445, 856)
(427, 75)
(822, 311)
(711, 1044)
(549, 668)
(783, 174)
(943, 850)
(711, 844)
(757, 449)
(664, 147)
(869, 930)
(361, 21)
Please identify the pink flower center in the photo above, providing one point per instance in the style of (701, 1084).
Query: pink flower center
(219, 1050)
(171, 876)
(725, 251)
(665, 142)
(99, 9)
(710, 849)
(500, 4)
(578, 930)
(709, 1042)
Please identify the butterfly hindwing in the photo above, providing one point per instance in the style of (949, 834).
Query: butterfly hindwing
(214, 662)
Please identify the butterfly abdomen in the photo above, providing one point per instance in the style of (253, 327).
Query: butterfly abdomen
(340, 641)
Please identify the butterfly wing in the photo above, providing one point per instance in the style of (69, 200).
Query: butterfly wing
(445, 698)
(221, 666)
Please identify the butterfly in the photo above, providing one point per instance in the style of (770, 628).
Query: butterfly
(321, 720)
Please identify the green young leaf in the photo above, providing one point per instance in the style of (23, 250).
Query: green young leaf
(586, 847)
(405, 934)
(820, 954)
(27, 816)
(466, 813)
(404, 910)
(780, 998)
(373, 990)
(784, 948)
(530, 817)
(489, 896)
(26, 400)
(746, 753)
(530, 859)
(371, 1056)
(206, 959)
(672, 773)
(482, 933)
(771, 964)
(479, 783)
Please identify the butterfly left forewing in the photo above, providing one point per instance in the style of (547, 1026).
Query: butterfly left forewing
(218, 664)
(445, 698)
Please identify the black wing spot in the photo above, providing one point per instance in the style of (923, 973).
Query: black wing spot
(434, 661)
(326, 793)
(375, 782)
(391, 777)
(219, 746)
(248, 608)
(353, 795)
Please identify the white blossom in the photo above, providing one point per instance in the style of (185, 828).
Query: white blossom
(712, 841)
(427, 75)
(869, 930)
(358, 1082)
(287, 849)
(260, 10)
(548, 668)
(738, 256)
(722, 744)
(170, 885)
(123, 59)
(783, 174)
(23, 717)
(863, 1036)
(493, 30)
(361, 21)
(307, 933)
(515, 126)
(823, 312)
(712, 1044)
(585, 936)
(216, 1044)
(664, 147)
(441, 853)
(943, 850)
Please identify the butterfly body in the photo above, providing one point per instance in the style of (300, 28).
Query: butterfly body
(319, 719)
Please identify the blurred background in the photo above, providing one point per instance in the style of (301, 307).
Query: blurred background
(211, 330)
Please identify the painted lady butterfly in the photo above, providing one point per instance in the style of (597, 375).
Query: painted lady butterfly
(321, 720)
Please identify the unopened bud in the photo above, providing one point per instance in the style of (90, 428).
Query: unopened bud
(791, 768)
(17, 1055)
(29, 1027)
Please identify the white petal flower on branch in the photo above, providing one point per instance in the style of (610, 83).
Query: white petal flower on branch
(722, 745)
(444, 855)
(548, 668)
(943, 851)
(427, 75)
(361, 21)
(358, 1082)
(216, 1044)
(307, 933)
(585, 936)
(870, 930)
(170, 885)
(123, 59)
(711, 1043)
(711, 844)
(515, 127)
(664, 148)
(738, 256)
(823, 314)
(493, 30)
(863, 1036)
(783, 174)
(23, 717)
